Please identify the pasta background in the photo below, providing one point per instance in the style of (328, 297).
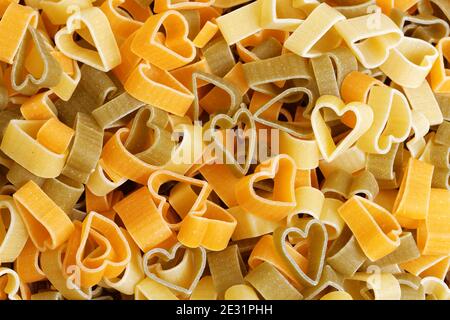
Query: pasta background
(225, 150)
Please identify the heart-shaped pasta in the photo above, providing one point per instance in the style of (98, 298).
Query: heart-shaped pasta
(243, 139)
(282, 170)
(97, 32)
(316, 235)
(107, 258)
(370, 37)
(263, 137)
(158, 88)
(391, 120)
(422, 26)
(12, 286)
(265, 251)
(15, 236)
(369, 221)
(290, 145)
(148, 138)
(122, 162)
(363, 116)
(411, 206)
(13, 27)
(435, 288)
(60, 10)
(287, 72)
(174, 51)
(164, 5)
(356, 87)
(223, 98)
(414, 57)
(423, 266)
(227, 268)
(150, 219)
(180, 274)
(123, 25)
(184, 200)
(210, 227)
(47, 224)
(39, 56)
(133, 273)
(431, 232)
(271, 108)
(27, 264)
(247, 48)
(384, 285)
(281, 15)
(227, 23)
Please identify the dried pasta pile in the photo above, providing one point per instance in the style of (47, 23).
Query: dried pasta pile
(224, 149)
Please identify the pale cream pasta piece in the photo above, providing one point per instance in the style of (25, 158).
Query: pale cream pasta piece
(370, 37)
(410, 62)
(231, 27)
(392, 120)
(362, 113)
(317, 34)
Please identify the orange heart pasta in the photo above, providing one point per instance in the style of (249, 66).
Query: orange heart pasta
(224, 150)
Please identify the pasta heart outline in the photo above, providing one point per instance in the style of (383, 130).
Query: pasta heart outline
(199, 255)
(12, 287)
(196, 203)
(16, 235)
(223, 121)
(211, 227)
(225, 85)
(311, 229)
(282, 170)
(370, 44)
(296, 129)
(176, 50)
(51, 70)
(391, 122)
(363, 114)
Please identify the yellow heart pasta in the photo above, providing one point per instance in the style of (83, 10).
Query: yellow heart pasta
(224, 150)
